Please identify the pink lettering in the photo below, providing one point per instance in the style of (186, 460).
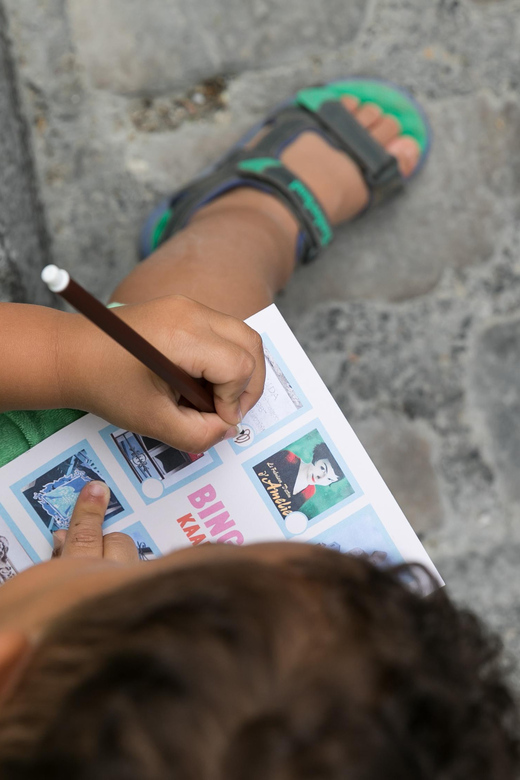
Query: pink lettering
(202, 496)
(211, 510)
(217, 525)
(232, 535)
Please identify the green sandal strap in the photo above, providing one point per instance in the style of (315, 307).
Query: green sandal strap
(267, 174)
(316, 229)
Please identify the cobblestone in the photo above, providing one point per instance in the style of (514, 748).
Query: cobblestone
(24, 247)
(178, 42)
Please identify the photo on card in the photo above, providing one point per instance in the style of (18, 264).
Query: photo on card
(281, 401)
(154, 468)
(50, 493)
(363, 535)
(304, 480)
(146, 547)
(13, 557)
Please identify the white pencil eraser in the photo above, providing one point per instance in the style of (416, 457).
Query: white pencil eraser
(55, 278)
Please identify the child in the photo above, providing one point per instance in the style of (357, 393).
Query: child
(268, 661)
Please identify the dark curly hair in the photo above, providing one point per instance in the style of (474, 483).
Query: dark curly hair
(321, 667)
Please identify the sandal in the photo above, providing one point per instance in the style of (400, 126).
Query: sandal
(319, 110)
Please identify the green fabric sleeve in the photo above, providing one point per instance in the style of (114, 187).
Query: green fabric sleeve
(19, 431)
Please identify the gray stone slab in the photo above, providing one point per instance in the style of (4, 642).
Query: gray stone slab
(92, 204)
(103, 159)
(494, 378)
(402, 451)
(409, 363)
(448, 47)
(177, 42)
(24, 246)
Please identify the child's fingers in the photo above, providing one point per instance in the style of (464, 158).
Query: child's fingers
(248, 340)
(230, 369)
(192, 431)
(120, 547)
(85, 538)
(58, 540)
(204, 343)
(228, 366)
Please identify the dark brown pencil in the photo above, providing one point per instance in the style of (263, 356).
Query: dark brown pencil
(60, 282)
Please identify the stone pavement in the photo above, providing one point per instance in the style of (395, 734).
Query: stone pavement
(23, 239)
(413, 316)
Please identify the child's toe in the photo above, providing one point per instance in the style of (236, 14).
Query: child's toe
(385, 130)
(368, 114)
(407, 152)
(350, 102)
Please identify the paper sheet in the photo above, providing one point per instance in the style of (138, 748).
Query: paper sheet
(262, 486)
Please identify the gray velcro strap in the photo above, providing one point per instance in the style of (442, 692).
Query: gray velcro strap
(380, 169)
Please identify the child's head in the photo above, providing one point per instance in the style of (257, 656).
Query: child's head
(268, 662)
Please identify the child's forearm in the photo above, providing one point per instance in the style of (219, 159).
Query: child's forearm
(51, 359)
(32, 374)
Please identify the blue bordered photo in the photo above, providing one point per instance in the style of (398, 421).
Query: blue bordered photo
(303, 479)
(154, 468)
(281, 401)
(49, 493)
(146, 547)
(363, 535)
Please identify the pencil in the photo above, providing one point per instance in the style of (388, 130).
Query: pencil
(59, 281)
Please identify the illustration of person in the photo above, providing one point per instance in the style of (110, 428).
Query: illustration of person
(291, 481)
(7, 570)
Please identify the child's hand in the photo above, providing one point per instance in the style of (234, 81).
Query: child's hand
(101, 377)
(84, 537)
